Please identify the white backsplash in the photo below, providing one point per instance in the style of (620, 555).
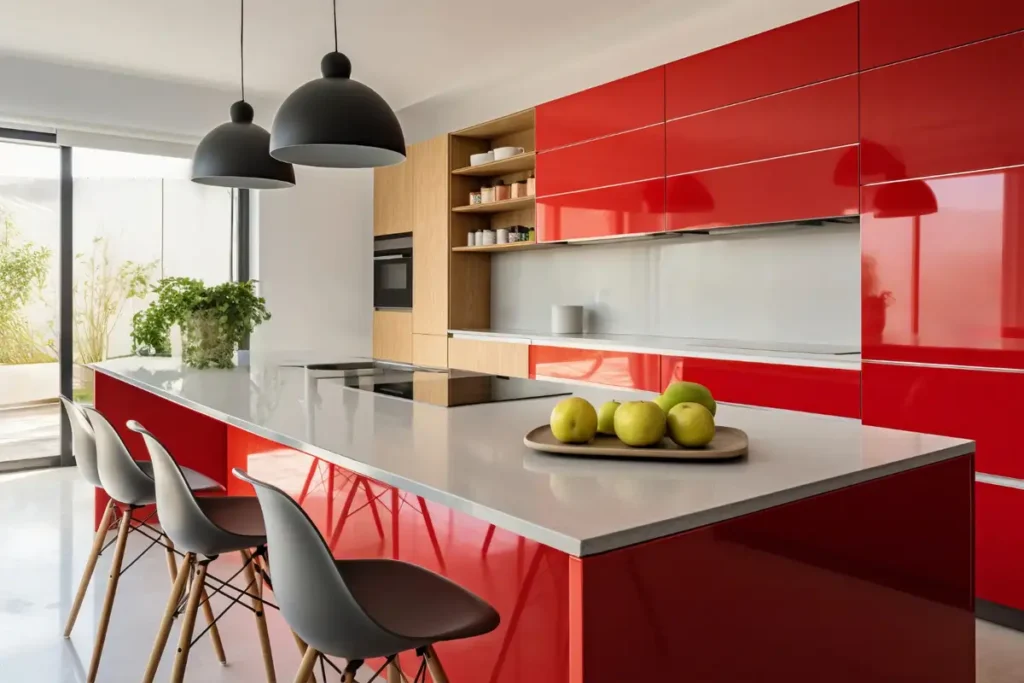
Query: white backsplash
(799, 284)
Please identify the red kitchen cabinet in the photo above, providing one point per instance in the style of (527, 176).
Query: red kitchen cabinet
(950, 112)
(812, 118)
(827, 391)
(981, 405)
(814, 185)
(815, 49)
(620, 210)
(616, 107)
(633, 156)
(943, 270)
(999, 544)
(894, 30)
(612, 368)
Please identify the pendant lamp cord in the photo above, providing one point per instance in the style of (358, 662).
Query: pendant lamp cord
(335, 5)
(241, 43)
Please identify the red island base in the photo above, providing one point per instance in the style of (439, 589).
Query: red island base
(869, 583)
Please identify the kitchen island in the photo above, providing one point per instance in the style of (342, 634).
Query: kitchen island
(832, 552)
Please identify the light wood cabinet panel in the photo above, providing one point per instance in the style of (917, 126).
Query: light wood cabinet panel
(497, 358)
(429, 350)
(430, 209)
(392, 336)
(392, 199)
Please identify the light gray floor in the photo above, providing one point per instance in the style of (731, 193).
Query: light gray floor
(29, 432)
(45, 533)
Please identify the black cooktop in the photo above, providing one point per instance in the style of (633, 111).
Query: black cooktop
(452, 389)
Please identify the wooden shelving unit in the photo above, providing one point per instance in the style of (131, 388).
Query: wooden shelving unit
(521, 162)
(498, 207)
(514, 246)
(497, 128)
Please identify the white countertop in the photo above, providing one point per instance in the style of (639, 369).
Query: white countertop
(472, 458)
(779, 353)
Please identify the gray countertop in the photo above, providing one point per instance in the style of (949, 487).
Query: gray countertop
(472, 458)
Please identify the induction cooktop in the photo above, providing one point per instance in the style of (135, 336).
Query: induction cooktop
(454, 388)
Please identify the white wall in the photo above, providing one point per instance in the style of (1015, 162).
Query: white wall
(314, 261)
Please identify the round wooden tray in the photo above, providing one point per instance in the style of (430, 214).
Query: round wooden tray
(728, 443)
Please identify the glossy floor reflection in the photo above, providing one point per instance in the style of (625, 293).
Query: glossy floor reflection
(45, 532)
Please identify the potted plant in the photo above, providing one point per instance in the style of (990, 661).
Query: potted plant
(213, 320)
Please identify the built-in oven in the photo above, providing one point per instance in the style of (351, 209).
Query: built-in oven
(392, 271)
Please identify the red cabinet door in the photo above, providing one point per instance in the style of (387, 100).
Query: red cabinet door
(808, 51)
(814, 185)
(625, 104)
(894, 30)
(827, 391)
(612, 368)
(981, 405)
(943, 270)
(619, 210)
(950, 112)
(999, 544)
(802, 120)
(636, 155)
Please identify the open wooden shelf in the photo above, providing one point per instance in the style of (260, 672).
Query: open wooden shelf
(520, 162)
(497, 207)
(513, 246)
(522, 120)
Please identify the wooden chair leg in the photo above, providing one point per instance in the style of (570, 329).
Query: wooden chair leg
(188, 624)
(90, 566)
(301, 644)
(165, 625)
(108, 601)
(434, 665)
(172, 561)
(395, 671)
(218, 646)
(261, 619)
(306, 667)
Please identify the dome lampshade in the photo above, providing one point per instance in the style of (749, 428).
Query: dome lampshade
(237, 154)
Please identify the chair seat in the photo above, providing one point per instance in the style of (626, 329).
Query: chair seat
(416, 603)
(241, 525)
(196, 481)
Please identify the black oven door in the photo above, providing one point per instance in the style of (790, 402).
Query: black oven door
(392, 272)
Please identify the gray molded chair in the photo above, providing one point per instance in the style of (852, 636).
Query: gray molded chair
(204, 528)
(359, 609)
(105, 462)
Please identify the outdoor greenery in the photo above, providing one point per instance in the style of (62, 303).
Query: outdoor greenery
(23, 270)
(213, 320)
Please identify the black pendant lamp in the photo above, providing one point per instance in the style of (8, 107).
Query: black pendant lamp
(237, 153)
(336, 122)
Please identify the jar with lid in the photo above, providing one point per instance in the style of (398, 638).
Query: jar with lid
(501, 191)
(486, 195)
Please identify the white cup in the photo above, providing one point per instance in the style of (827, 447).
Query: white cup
(506, 152)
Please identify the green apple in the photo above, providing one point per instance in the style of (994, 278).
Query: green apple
(574, 420)
(686, 392)
(640, 423)
(691, 425)
(606, 417)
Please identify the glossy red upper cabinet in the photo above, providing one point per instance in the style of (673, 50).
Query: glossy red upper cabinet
(941, 274)
(814, 185)
(816, 117)
(815, 49)
(632, 156)
(981, 405)
(826, 391)
(999, 544)
(625, 104)
(894, 30)
(630, 209)
(951, 112)
(612, 368)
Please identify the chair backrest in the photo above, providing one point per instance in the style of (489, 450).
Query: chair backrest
(83, 441)
(120, 476)
(311, 593)
(181, 518)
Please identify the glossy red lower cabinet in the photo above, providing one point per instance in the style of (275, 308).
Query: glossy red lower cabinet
(612, 368)
(889, 562)
(894, 30)
(637, 155)
(827, 391)
(802, 120)
(814, 49)
(625, 104)
(620, 210)
(999, 544)
(981, 405)
(806, 186)
(943, 270)
(950, 112)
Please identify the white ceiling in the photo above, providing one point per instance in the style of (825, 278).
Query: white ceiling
(408, 50)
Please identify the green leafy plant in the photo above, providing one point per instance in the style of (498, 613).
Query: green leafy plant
(23, 270)
(213, 320)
